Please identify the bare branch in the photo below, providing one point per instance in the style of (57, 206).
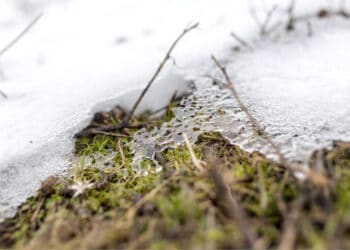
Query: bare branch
(159, 69)
(316, 178)
(200, 165)
(244, 108)
(290, 229)
(264, 27)
(3, 94)
(290, 11)
(20, 35)
(229, 203)
(309, 29)
(241, 41)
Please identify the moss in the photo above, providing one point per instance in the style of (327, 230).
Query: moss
(178, 207)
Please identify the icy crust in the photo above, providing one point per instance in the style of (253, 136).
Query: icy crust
(298, 87)
(209, 108)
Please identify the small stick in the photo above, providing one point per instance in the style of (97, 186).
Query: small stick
(229, 204)
(263, 29)
(3, 94)
(159, 69)
(309, 29)
(196, 162)
(241, 41)
(290, 226)
(244, 108)
(122, 153)
(290, 11)
(130, 214)
(262, 26)
(316, 178)
(20, 35)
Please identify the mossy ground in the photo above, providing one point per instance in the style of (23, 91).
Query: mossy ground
(181, 207)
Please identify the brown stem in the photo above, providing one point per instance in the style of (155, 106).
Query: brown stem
(20, 35)
(159, 69)
(316, 178)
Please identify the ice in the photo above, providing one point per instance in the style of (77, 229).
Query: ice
(85, 54)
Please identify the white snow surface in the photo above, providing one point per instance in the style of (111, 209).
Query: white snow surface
(299, 88)
(83, 55)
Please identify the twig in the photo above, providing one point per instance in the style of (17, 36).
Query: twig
(316, 178)
(229, 204)
(159, 69)
(130, 214)
(309, 29)
(97, 131)
(290, 226)
(3, 94)
(121, 151)
(254, 15)
(244, 108)
(262, 189)
(262, 25)
(20, 35)
(200, 165)
(263, 29)
(241, 41)
(33, 219)
(290, 11)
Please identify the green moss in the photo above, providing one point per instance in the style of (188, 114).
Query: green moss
(178, 207)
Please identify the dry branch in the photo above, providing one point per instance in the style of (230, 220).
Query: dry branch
(316, 178)
(200, 165)
(290, 226)
(241, 41)
(230, 205)
(290, 11)
(20, 35)
(15, 40)
(155, 75)
(263, 26)
(3, 94)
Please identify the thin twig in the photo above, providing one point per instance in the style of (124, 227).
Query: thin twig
(121, 151)
(244, 108)
(155, 75)
(229, 203)
(290, 226)
(20, 35)
(309, 29)
(262, 189)
(241, 41)
(263, 26)
(290, 11)
(3, 94)
(130, 214)
(316, 178)
(263, 30)
(200, 165)
(254, 15)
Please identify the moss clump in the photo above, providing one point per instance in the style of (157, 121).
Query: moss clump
(181, 207)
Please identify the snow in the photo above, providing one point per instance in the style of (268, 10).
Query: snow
(85, 55)
(300, 91)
